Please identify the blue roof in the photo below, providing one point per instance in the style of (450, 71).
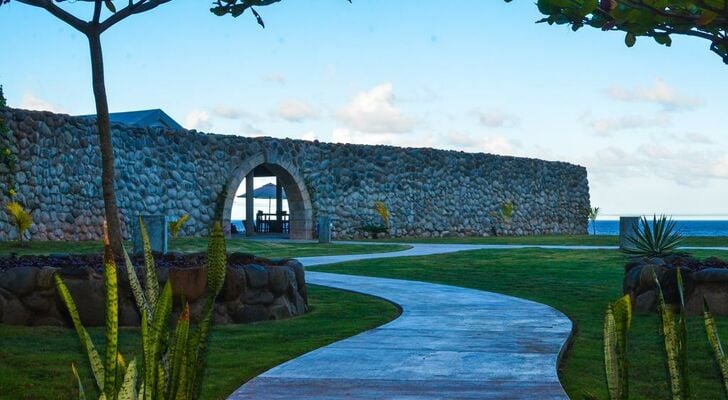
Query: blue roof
(145, 118)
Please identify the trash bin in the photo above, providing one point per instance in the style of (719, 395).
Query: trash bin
(324, 229)
(626, 230)
(157, 228)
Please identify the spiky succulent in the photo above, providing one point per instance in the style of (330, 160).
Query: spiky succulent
(656, 239)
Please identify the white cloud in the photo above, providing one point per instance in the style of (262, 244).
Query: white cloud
(696, 137)
(683, 165)
(296, 111)
(374, 111)
(487, 144)
(231, 113)
(495, 118)
(198, 119)
(32, 102)
(659, 93)
(608, 126)
(310, 135)
(275, 77)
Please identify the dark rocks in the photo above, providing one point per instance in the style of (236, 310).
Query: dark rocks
(256, 275)
(701, 279)
(188, 283)
(260, 290)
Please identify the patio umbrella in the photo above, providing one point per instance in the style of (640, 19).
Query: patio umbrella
(267, 191)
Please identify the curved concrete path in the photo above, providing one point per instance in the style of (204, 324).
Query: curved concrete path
(449, 343)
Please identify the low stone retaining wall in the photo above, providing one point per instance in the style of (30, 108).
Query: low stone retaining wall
(255, 289)
(701, 279)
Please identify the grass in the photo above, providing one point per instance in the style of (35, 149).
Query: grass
(584, 240)
(580, 284)
(36, 360)
(190, 245)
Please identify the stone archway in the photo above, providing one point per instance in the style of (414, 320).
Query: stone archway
(299, 200)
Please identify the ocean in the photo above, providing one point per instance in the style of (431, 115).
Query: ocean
(685, 227)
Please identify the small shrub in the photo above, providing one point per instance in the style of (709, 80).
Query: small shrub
(176, 226)
(20, 218)
(653, 240)
(383, 212)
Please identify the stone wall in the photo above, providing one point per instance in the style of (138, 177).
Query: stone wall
(429, 192)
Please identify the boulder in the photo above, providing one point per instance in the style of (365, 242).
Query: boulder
(20, 280)
(279, 279)
(189, 283)
(711, 275)
(256, 275)
(14, 313)
(251, 313)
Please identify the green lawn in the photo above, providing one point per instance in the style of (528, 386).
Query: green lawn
(584, 240)
(579, 283)
(259, 248)
(35, 361)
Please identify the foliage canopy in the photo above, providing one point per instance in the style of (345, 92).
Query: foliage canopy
(658, 19)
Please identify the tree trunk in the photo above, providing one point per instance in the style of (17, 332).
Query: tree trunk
(107, 151)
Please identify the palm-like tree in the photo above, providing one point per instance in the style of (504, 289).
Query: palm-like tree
(593, 214)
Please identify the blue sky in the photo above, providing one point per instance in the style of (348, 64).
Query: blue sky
(468, 75)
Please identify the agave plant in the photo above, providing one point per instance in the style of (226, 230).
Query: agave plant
(172, 363)
(617, 322)
(653, 240)
(711, 329)
(674, 334)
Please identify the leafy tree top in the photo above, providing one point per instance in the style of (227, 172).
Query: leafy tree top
(131, 7)
(658, 19)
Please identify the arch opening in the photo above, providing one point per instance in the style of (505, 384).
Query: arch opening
(298, 221)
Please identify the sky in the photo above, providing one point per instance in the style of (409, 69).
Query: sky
(647, 122)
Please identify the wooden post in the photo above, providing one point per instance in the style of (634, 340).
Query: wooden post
(279, 200)
(249, 204)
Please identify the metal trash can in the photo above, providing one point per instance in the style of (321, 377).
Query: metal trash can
(157, 228)
(324, 229)
(627, 226)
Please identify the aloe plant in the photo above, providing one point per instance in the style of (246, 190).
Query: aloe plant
(674, 334)
(172, 364)
(617, 322)
(653, 240)
(711, 329)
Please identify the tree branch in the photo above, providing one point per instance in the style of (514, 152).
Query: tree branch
(133, 8)
(97, 11)
(59, 13)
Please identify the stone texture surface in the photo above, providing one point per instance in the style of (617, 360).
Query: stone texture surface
(449, 343)
(702, 279)
(429, 192)
(28, 296)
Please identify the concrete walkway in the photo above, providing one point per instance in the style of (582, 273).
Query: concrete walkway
(449, 343)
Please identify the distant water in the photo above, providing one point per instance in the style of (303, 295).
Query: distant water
(686, 228)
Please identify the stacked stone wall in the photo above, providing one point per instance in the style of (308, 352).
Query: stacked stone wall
(428, 192)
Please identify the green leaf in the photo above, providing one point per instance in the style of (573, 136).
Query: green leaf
(110, 5)
(150, 276)
(97, 366)
(81, 392)
(128, 388)
(630, 39)
(663, 39)
(112, 320)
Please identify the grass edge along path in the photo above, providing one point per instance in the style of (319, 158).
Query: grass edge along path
(550, 240)
(261, 248)
(579, 284)
(35, 362)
